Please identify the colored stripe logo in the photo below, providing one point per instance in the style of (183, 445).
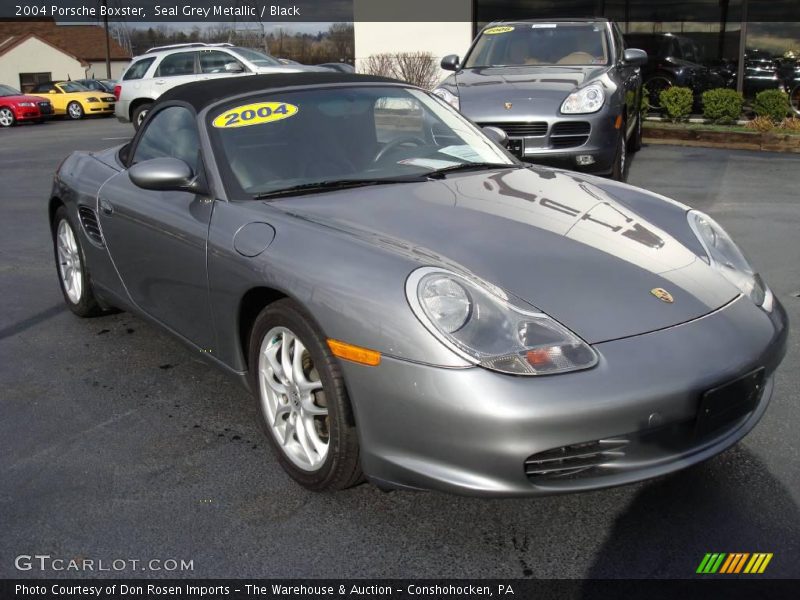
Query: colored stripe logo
(734, 563)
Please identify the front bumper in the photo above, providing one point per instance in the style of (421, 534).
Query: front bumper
(99, 108)
(470, 431)
(566, 138)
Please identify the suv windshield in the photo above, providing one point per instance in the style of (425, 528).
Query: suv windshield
(259, 59)
(521, 44)
(7, 90)
(347, 135)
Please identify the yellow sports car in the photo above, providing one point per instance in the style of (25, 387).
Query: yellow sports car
(74, 100)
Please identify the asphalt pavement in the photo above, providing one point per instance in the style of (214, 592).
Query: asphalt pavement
(117, 443)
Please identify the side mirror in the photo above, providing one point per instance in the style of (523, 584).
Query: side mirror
(635, 57)
(233, 67)
(165, 175)
(52, 91)
(450, 62)
(496, 134)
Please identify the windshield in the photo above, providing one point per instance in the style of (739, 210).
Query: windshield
(297, 138)
(7, 90)
(257, 58)
(71, 86)
(523, 44)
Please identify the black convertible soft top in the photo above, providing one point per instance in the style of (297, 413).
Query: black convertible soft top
(201, 94)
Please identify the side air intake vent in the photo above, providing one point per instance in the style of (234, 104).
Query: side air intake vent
(571, 460)
(90, 224)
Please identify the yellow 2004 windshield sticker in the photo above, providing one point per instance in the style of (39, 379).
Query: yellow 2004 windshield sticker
(494, 30)
(254, 114)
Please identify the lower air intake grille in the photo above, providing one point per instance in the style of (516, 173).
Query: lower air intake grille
(534, 129)
(568, 134)
(90, 224)
(569, 461)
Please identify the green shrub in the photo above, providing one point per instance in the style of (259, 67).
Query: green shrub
(677, 101)
(645, 106)
(722, 105)
(773, 104)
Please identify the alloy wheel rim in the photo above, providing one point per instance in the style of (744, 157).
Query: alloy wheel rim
(69, 262)
(140, 118)
(6, 118)
(293, 399)
(74, 111)
(623, 151)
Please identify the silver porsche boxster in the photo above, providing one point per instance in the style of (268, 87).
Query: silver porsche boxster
(408, 302)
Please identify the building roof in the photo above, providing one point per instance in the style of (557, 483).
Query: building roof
(12, 42)
(85, 42)
(201, 94)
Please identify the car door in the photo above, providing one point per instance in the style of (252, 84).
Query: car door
(51, 92)
(174, 70)
(631, 78)
(157, 239)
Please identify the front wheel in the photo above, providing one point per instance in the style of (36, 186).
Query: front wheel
(620, 169)
(75, 111)
(636, 138)
(71, 266)
(655, 85)
(303, 404)
(7, 118)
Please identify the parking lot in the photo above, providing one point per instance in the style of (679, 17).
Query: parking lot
(116, 442)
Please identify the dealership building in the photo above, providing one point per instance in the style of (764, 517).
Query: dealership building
(723, 29)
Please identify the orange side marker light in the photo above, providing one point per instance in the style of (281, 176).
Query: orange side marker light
(355, 354)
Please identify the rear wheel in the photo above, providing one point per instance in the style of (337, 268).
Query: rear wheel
(75, 110)
(7, 118)
(655, 85)
(302, 401)
(71, 266)
(139, 114)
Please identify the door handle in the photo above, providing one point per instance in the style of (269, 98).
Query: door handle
(106, 207)
(160, 82)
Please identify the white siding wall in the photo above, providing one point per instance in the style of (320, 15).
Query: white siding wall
(97, 70)
(34, 56)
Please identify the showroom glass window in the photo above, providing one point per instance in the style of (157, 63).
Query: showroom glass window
(172, 132)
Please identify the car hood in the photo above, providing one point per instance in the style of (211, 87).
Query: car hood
(20, 98)
(548, 237)
(531, 90)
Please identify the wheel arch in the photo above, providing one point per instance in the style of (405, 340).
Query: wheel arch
(251, 304)
(52, 206)
(136, 104)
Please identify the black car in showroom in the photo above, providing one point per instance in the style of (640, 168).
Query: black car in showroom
(565, 92)
(677, 60)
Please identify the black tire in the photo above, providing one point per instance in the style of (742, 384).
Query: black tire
(794, 99)
(636, 139)
(139, 114)
(619, 171)
(341, 468)
(655, 85)
(75, 111)
(7, 118)
(86, 304)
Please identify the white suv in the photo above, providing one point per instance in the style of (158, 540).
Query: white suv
(165, 67)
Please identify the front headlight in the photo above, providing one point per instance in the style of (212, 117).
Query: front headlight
(480, 324)
(585, 100)
(28, 104)
(92, 99)
(724, 255)
(448, 97)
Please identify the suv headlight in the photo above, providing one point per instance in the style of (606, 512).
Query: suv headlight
(585, 100)
(448, 97)
(724, 255)
(482, 325)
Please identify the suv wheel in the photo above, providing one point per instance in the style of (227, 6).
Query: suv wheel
(139, 114)
(620, 169)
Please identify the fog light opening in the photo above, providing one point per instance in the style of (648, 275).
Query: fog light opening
(584, 159)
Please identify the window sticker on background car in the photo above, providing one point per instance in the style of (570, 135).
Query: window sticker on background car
(255, 114)
(495, 30)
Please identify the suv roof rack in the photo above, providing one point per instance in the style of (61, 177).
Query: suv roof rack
(189, 45)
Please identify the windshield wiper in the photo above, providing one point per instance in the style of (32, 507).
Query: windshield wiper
(476, 166)
(335, 184)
